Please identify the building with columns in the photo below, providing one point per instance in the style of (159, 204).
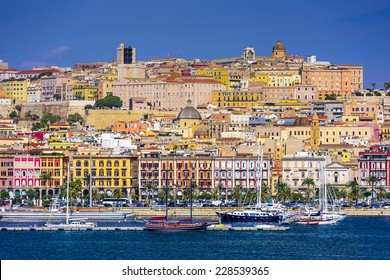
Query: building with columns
(204, 169)
(109, 172)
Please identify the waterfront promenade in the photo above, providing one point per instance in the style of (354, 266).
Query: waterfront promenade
(204, 211)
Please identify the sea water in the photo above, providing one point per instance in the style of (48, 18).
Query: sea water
(366, 238)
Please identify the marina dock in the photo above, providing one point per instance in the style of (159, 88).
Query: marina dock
(135, 229)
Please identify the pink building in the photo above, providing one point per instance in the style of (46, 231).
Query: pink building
(6, 74)
(169, 93)
(26, 173)
(300, 92)
(243, 170)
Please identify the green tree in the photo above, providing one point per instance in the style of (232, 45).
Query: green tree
(31, 194)
(57, 96)
(373, 181)
(118, 194)
(150, 188)
(386, 86)
(381, 193)
(37, 126)
(284, 192)
(355, 190)
(205, 195)
(76, 117)
(237, 194)
(109, 101)
(50, 118)
(4, 195)
(187, 191)
(265, 193)
(13, 114)
(45, 178)
(309, 183)
(75, 189)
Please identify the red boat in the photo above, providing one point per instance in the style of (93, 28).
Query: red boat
(161, 224)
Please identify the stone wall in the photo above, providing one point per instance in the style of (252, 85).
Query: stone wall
(62, 108)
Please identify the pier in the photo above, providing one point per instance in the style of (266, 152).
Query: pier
(135, 229)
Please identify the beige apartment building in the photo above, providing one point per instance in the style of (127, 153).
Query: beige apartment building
(170, 93)
(333, 79)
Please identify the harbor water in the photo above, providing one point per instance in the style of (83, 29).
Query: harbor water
(360, 238)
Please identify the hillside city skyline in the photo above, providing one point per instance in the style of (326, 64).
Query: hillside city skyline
(333, 31)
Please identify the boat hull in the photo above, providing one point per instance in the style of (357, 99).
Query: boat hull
(236, 217)
(172, 227)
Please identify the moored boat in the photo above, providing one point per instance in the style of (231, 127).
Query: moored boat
(249, 216)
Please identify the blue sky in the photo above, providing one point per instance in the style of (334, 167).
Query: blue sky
(62, 33)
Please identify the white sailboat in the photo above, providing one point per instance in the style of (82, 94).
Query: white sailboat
(71, 223)
(323, 216)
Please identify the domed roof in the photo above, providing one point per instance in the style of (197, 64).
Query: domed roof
(279, 46)
(202, 131)
(189, 112)
(302, 121)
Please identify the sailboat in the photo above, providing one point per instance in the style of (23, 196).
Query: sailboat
(162, 224)
(322, 216)
(272, 214)
(71, 223)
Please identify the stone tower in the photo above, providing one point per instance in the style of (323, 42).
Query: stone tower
(278, 51)
(315, 132)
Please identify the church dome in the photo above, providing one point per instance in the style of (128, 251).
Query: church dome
(302, 121)
(202, 131)
(189, 112)
(279, 47)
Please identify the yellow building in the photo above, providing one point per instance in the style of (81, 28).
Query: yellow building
(315, 132)
(105, 88)
(219, 74)
(235, 98)
(53, 164)
(278, 51)
(109, 172)
(189, 120)
(82, 91)
(15, 90)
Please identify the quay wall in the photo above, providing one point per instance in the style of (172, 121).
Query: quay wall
(206, 212)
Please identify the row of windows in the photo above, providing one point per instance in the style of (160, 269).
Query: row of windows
(101, 163)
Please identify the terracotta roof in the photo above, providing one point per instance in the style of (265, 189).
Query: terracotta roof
(39, 71)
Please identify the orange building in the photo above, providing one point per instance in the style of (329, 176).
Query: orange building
(340, 80)
(130, 127)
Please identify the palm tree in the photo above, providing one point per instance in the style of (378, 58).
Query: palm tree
(75, 188)
(381, 193)
(187, 191)
(265, 193)
(95, 195)
(372, 180)
(150, 189)
(45, 178)
(284, 192)
(355, 190)
(386, 85)
(237, 193)
(118, 194)
(308, 182)
(219, 190)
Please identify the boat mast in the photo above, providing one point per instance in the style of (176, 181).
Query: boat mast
(67, 195)
(166, 198)
(325, 190)
(260, 174)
